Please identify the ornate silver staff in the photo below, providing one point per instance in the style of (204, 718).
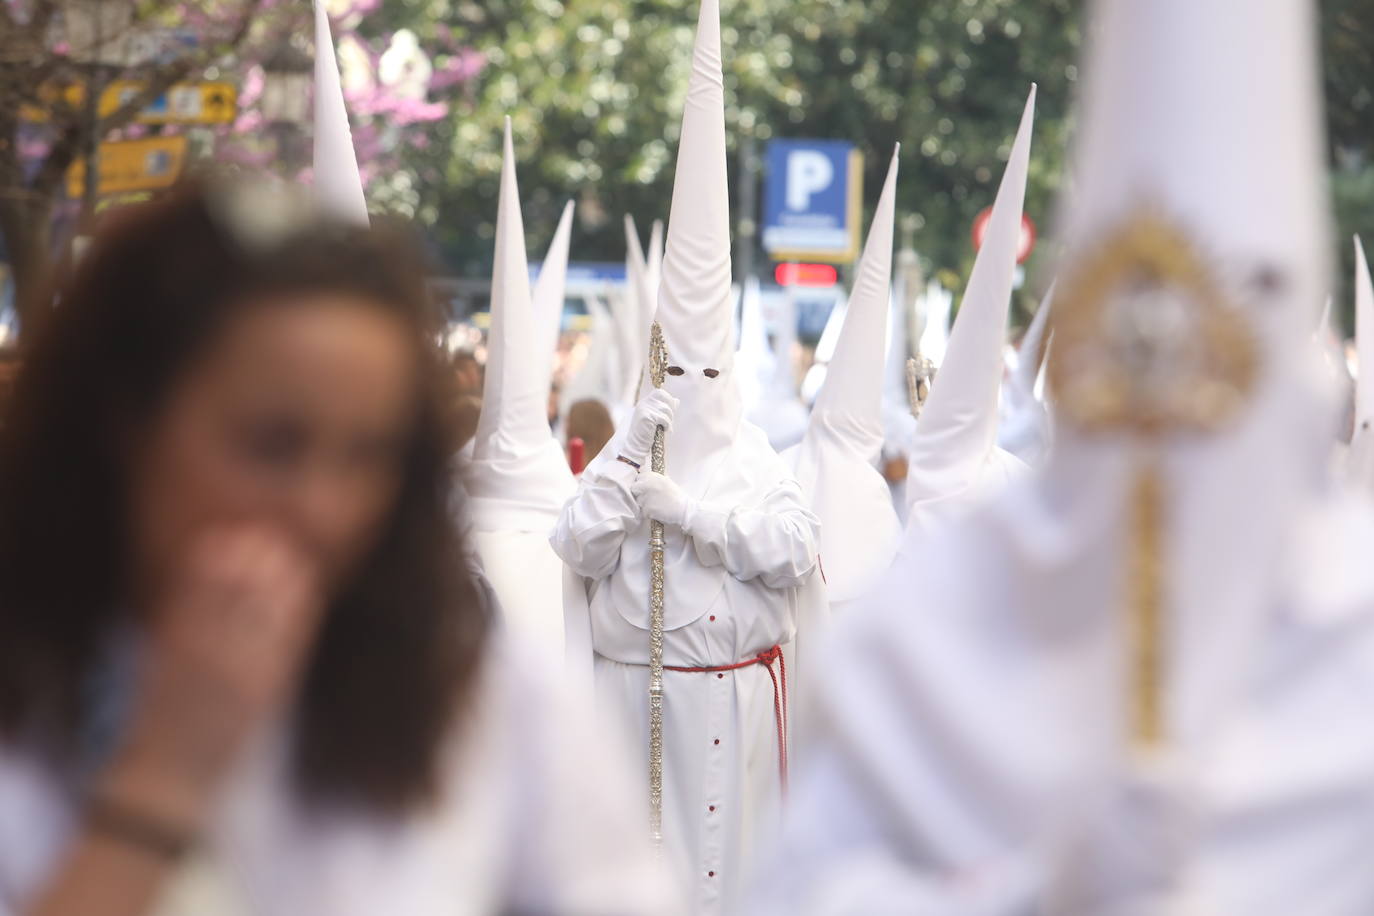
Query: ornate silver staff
(658, 361)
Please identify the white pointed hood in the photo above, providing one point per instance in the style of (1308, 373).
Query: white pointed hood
(1024, 430)
(954, 459)
(1199, 150)
(780, 412)
(713, 455)
(935, 334)
(835, 463)
(694, 297)
(636, 314)
(849, 404)
(1030, 356)
(654, 267)
(783, 380)
(825, 351)
(898, 423)
(754, 361)
(518, 477)
(640, 295)
(594, 378)
(634, 255)
(1361, 463)
(338, 186)
(551, 284)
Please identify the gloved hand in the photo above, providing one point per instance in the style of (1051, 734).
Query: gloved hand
(661, 500)
(653, 410)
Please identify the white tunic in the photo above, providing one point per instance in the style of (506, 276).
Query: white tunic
(534, 819)
(732, 592)
(970, 761)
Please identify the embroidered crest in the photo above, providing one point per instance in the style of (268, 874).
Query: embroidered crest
(1145, 340)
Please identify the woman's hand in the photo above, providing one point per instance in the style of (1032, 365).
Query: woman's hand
(224, 647)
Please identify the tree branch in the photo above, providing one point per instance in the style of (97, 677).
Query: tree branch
(176, 72)
(75, 136)
(40, 17)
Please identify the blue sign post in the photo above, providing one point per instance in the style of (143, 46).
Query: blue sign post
(812, 201)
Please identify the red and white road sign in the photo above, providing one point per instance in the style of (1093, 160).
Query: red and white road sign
(1024, 244)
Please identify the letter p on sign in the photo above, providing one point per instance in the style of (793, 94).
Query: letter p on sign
(808, 172)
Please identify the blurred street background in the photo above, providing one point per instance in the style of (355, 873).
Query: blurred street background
(147, 89)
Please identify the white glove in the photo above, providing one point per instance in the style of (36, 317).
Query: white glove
(661, 500)
(653, 410)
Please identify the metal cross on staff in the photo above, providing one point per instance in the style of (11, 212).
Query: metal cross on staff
(1147, 346)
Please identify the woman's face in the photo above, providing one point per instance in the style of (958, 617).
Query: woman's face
(297, 416)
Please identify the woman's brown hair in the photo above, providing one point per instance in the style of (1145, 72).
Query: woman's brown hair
(401, 642)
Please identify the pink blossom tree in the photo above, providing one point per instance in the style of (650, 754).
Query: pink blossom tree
(52, 52)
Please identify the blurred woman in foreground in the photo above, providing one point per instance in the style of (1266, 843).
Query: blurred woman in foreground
(242, 669)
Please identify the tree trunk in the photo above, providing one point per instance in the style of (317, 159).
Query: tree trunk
(27, 226)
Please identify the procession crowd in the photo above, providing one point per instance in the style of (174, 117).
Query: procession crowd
(301, 613)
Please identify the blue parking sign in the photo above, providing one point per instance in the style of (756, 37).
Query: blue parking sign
(812, 200)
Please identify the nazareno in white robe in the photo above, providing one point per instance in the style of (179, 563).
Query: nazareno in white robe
(534, 818)
(966, 760)
(744, 583)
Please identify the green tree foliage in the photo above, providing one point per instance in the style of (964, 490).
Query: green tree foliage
(1347, 37)
(595, 88)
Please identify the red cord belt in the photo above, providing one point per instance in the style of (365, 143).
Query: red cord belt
(766, 658)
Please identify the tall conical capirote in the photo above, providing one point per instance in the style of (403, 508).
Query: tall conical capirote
(1024, 429)
(694, 295)
(550, 287)
(654, 263)
(844, 436)
(854, 379)
(338, 184)
(955, 444)
(518, 476)
(1361, 459)
(637, 315)
(1195, 259)
(1030, 355)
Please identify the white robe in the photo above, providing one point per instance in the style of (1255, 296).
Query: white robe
(509, 547)
(968, 759)
(744, 584)
(535, 818)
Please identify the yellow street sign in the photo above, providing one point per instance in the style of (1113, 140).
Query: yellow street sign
(133, 165)
(184, 103)
(193, 103)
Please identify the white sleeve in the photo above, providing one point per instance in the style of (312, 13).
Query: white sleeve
(36, 825)
(775, 540)
(595, 521)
